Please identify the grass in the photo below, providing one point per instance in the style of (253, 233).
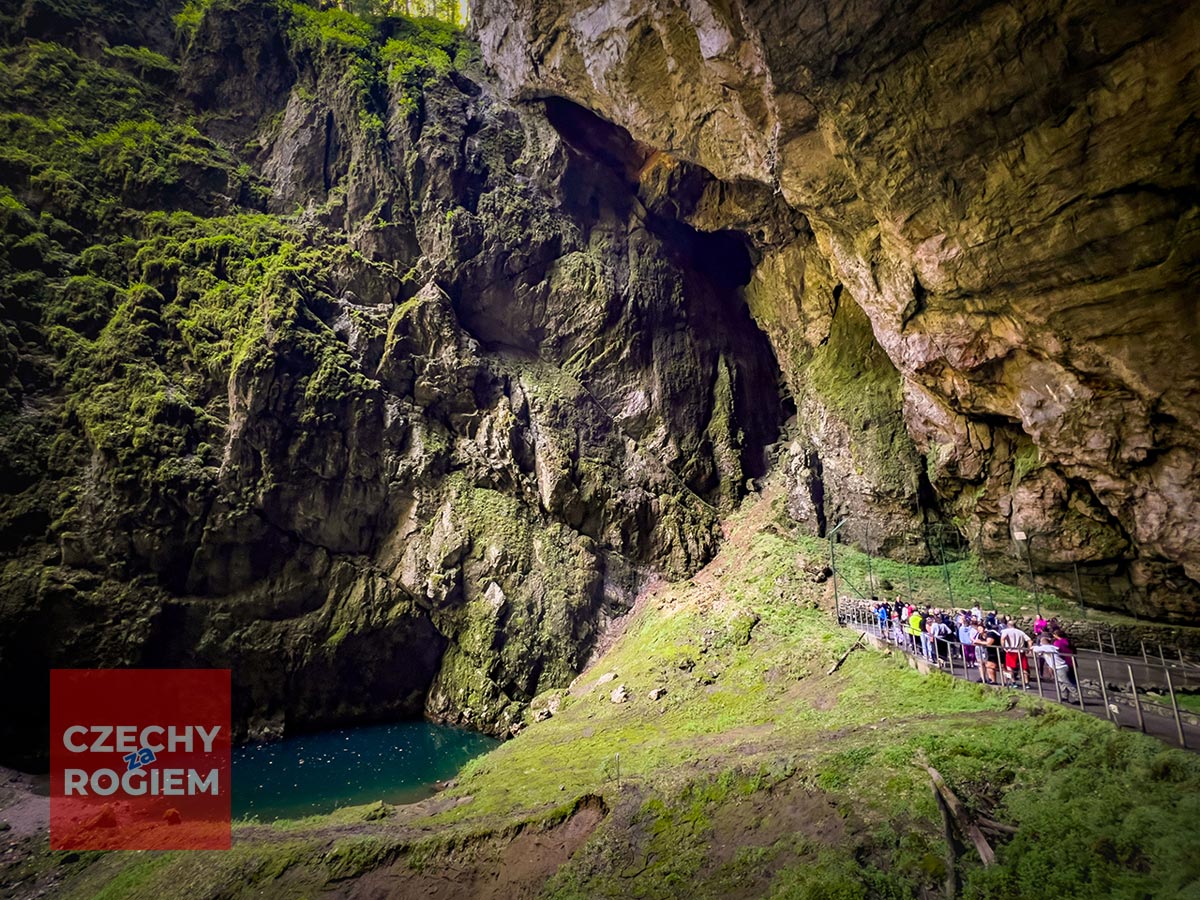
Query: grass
(758, 769)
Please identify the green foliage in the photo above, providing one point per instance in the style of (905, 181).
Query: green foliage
(452, 13)
(330, 29)
(416, 53)
(68, 93)
(144, 61)
(421, 52)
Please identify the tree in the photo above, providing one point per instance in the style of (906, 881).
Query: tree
(453, 12)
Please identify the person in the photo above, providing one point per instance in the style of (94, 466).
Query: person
(939, 633)
(914, 630)
(1015, 642)
(1047, 650)
(897, 629)
(881, 613)
(966, 635)
(1066, 651)
(976, 613)
(1039, 626)
(927, 620)
(989, 642)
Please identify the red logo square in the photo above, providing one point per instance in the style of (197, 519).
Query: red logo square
(139, 759)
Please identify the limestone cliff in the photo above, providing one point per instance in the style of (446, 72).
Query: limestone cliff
(975, 233)
(333, 368)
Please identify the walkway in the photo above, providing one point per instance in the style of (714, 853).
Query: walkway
(1104, 684)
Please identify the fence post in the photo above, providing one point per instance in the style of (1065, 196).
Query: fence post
(1175, 710)
(1145, 658)
(1137, 704)
(1103, 688)
(908, 573)
(1078, 589)
(837, 605)
(945, 568)
(1036, 662)
(1037, 598)
(870, 563)
(1162, 658)
(1099, 640)
(1112, 640)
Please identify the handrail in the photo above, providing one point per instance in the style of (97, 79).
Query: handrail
(1115, 695)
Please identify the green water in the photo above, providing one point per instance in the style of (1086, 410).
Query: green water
(317, 773)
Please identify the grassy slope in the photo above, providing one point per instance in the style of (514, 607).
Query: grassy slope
(756, 773)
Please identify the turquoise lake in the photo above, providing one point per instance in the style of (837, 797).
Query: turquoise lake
(317, 773)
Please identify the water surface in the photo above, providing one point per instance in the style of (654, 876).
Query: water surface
(317, 773)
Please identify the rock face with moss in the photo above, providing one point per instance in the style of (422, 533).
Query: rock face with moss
(1006, 195)
(323, 364)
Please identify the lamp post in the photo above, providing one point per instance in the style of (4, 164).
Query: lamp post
(837, 606)
(1027, 540)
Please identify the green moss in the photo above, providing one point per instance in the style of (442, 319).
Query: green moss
(1025, 460)
(354, 856)
(134, 877)
(852, 376)
(744, 734)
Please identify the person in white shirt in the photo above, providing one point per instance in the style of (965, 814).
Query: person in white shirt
(966, 635)
(939, 635)
(1062, 671)
(1015, 642)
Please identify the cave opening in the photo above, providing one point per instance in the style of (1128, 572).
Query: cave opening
(716, 265)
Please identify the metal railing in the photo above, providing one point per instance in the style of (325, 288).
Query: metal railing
(943, 546)
(1122, 686)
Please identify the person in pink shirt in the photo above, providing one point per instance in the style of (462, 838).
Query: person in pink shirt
(1058, 664)
(1063, 644)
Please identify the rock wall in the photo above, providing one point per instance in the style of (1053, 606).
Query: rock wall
(388, 396)
(1006, 193)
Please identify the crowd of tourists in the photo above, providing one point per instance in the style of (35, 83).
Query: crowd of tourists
(994, 645)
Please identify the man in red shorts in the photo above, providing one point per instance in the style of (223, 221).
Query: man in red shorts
(1015, 643)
